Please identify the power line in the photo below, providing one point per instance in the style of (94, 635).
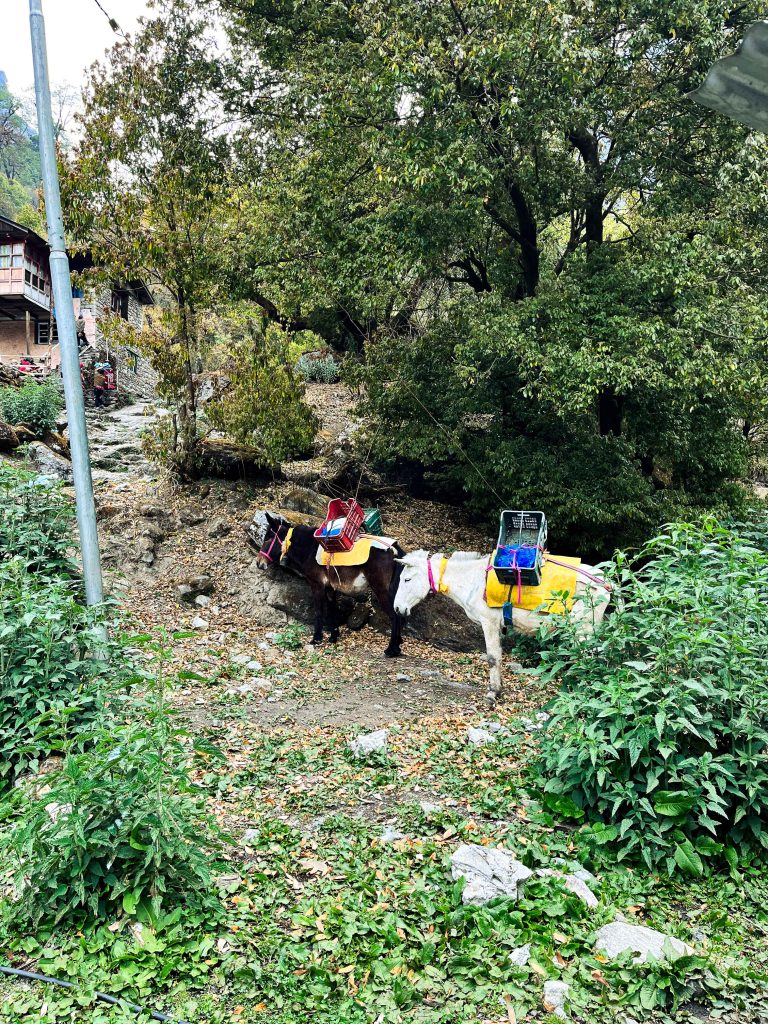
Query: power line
(112, 23)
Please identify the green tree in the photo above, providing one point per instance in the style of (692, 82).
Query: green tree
(144, 186)
(521, 217)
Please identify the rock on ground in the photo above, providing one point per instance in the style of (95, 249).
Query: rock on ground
(479, 737)
(9, 439)
(488, 871)
(48, 463)
(573, 884)
(370, 743)
(519, 957)
(620, 937)
(555, 994)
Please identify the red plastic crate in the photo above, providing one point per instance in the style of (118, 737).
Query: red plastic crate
(353, 514)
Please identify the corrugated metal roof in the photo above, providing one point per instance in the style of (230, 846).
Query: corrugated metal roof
(737, 86)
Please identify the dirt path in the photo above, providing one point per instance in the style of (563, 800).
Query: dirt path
(155, 535)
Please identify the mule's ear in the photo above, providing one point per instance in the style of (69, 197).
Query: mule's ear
(270, 519)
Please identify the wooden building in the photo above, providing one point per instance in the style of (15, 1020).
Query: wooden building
(27, 317)
(25, 293)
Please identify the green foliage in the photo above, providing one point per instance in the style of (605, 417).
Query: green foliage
(36, 405)
(35, 525)
(120, 827)
(496, 217)
(50, 644)
(659, 732)
(142, 189)
(120, 822)
(292, 637)
(19, 163)
(264, 406)
(323, 369)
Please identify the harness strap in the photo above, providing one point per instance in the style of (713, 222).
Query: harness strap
(287, 542)
(267, 553)
(583, 572)
(440, 588)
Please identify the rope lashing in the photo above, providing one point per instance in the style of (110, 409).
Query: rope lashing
(440, 588)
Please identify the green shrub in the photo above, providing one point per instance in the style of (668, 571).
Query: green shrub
(35, 405)
(36, 523)
(48, 639)
(659, 732)
(121, 827)
(50, 649)
(323, 370)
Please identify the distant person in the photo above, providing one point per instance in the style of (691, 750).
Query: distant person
(82, 341)
(99, 384)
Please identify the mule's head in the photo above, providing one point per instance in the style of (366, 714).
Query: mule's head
(275, 532)
(414, 581)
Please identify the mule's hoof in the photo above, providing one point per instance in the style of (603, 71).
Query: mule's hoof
(334, 638)
(316, 641)
(491, 698)
(393, 652)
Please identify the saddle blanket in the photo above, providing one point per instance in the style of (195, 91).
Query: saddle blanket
(359, 554)
(553, 578)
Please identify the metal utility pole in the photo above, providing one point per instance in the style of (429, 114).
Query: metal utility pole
(65, 315)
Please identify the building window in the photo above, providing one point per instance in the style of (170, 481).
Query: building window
(119, 303)
(5, 257)
(46, 332)
(132, 360)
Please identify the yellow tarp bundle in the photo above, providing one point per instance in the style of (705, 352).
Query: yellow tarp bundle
(359, 554)
(555, 578)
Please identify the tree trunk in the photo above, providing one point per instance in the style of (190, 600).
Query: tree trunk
(187, 453)
(610, 412)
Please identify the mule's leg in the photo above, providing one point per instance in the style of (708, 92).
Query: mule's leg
(386, 600)
(492, 634)
(318, 599)
(333, 614)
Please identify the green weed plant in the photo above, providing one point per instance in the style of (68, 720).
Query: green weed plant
(659, 734)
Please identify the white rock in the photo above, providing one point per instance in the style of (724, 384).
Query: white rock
(479, 737)
(492, 727)
(574, 868)
(391, 834)
(489, 872)
(572, 884)
(519, 957)
(241, 659)
(555, 994)
(199, 622)
(254, 666)
(56, 811)
(202, 601)
(264, 646)
(618, 937)
(402, 677)
(369, 743)
(249, 835)
(428, 807)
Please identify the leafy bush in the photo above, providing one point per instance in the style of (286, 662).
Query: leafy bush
(661, 726)
(35, 405)
(320, 370)
(120, 827)
(36, 522)
(50, 651)
(48, 639)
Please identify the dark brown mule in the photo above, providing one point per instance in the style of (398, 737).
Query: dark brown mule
(381, 573)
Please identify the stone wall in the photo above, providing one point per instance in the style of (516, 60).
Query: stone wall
(135, 376)
(13, 341)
